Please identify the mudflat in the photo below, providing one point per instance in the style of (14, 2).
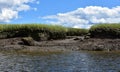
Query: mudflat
(68, 44)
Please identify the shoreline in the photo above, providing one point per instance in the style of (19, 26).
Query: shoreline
(71, 44)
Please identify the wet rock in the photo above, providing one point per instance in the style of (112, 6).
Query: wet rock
(40, 36)
(87, 37)
(99, 48)
(79, 38)
(76, 38)
(28, 41)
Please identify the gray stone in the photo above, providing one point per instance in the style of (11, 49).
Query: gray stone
(28, 41)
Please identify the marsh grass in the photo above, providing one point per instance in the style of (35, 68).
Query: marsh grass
(38, 30)
(46, 31)
(76, 32)
(20, 30)
(105, 31)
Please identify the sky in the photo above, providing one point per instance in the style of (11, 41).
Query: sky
(74, 13)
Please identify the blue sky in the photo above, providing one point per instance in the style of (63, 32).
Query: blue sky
(53, 11)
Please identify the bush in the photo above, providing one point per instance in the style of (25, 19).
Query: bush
(105, 31)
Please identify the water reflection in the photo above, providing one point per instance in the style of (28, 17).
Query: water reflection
(61, 62)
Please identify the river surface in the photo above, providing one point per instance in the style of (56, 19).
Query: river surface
(76, 61)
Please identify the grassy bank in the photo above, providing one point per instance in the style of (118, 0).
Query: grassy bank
(45, 32)
(76, 32)
(105, 31)
(38, 31)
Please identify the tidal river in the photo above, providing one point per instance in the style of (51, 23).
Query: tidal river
(76, 61)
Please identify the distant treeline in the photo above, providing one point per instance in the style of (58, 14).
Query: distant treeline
(58, 32)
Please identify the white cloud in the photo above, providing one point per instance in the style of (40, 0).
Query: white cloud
(9, 9)
(85, 17)
(23, 8)
(7, 14)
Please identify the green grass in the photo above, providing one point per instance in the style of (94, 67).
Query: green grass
(76, 32)
(30, 27)
(15, 30)
(57, 32)
(25, 30)
(105, 30)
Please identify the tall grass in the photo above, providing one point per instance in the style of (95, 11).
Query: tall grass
(76, 32)
(105, 30)
(20, 30)
(34, 30)
(30, 27)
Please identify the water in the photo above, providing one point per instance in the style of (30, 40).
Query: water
(60, 62)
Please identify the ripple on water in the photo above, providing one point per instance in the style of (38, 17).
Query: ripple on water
(60, 62)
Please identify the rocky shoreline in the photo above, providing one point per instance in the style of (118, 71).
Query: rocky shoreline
(68, 44)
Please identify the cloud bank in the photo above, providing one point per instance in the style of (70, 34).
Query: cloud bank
(85, 17)
(9, 9)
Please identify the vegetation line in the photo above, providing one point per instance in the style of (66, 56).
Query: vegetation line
(44, 31)
(37, 30)
(105, 31)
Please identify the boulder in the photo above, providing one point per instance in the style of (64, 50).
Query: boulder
(87, 37)
(40, 36)
(79, 38)
(76, 38)
(28, 41)
(99, 48)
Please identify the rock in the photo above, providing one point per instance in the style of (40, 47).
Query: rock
(99, 48)
(40, 36)
(79, 38)
(76, 38)
(28, 41)
(87, 37)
